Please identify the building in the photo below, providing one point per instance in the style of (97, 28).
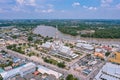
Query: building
(28, 68)
(58, 48)
(2, 42)
(85, 46)
(100, 55)
(45, 70)
(115, 58)
(23, 70)
(15, 60)
(109, 72)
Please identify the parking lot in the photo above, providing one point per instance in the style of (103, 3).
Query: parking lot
(86, 65)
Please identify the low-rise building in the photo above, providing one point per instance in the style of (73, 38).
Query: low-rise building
(60, 49)
(85, 46)
(22, 70)
(115, 58)
(109, 72)
(45, 70)
(100, 55)
(2, 42)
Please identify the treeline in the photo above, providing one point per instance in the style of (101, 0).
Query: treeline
(103, 28)
(68, 30)
(104, 33)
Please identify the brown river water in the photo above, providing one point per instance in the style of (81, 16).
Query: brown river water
(51, 31)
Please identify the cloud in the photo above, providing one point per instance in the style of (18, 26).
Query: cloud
(44, 10)
(1, 10)
(50, 5)
(106, 3)
(26, 2)
(31, 3)
(76, 4)
(20, 2)
(62, 11)
(118, 6)
(90, 8)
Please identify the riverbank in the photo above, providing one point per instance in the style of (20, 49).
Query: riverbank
(51, 31)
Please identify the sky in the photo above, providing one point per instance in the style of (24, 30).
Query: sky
(59, 9)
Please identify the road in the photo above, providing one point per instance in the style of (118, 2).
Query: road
(53, 67)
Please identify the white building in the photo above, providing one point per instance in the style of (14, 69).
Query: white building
(28, 68)
(44, 70)
(2, 42)
(81, 41)
(64, 51)
(23, 70)
(85, 46)
(109, 72)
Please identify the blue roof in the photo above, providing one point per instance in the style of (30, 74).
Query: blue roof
(86, 71)
(1, 70)
(16, 59)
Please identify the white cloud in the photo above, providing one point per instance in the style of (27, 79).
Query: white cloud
(16, 8)
(118, 6)
(44, 10)
(76, 4)
(85, 7)
(1, 10)
(50, 10)
(26, 2)
(31, 2)
(50, 5)
(90, 8)
(20, 1)
(106, 3)
(62, 11)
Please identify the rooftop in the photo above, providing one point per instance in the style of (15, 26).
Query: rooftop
(44, 70)
(110, 72)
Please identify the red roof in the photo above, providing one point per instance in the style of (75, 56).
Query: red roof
(36, 72)
(107, 48)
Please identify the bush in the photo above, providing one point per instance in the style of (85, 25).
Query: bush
(107, 53)
(71, 77)
(61, 65)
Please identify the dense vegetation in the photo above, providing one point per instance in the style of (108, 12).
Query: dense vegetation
(107, 53)
(103, 28)
(105, 33)
(71, 77)
(9, 63)
(68, 30)
(15, 48)
(54, 62)
(1, 77)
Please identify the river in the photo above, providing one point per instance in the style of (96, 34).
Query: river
(51, 31)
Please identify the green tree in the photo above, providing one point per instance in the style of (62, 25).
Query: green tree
(71, 77)
(1, 77)
(30, 38)
(61, 65)
(107, 53)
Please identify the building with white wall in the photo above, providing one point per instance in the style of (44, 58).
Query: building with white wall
(23, 70)
(45, 70)
(109, 72)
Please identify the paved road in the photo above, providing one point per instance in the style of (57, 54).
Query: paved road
(53, 67)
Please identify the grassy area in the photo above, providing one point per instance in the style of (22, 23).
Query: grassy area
(54, 62)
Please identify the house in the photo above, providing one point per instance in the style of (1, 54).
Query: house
(22, 70)
(44, 70)
(109, 72)
(115, 58)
